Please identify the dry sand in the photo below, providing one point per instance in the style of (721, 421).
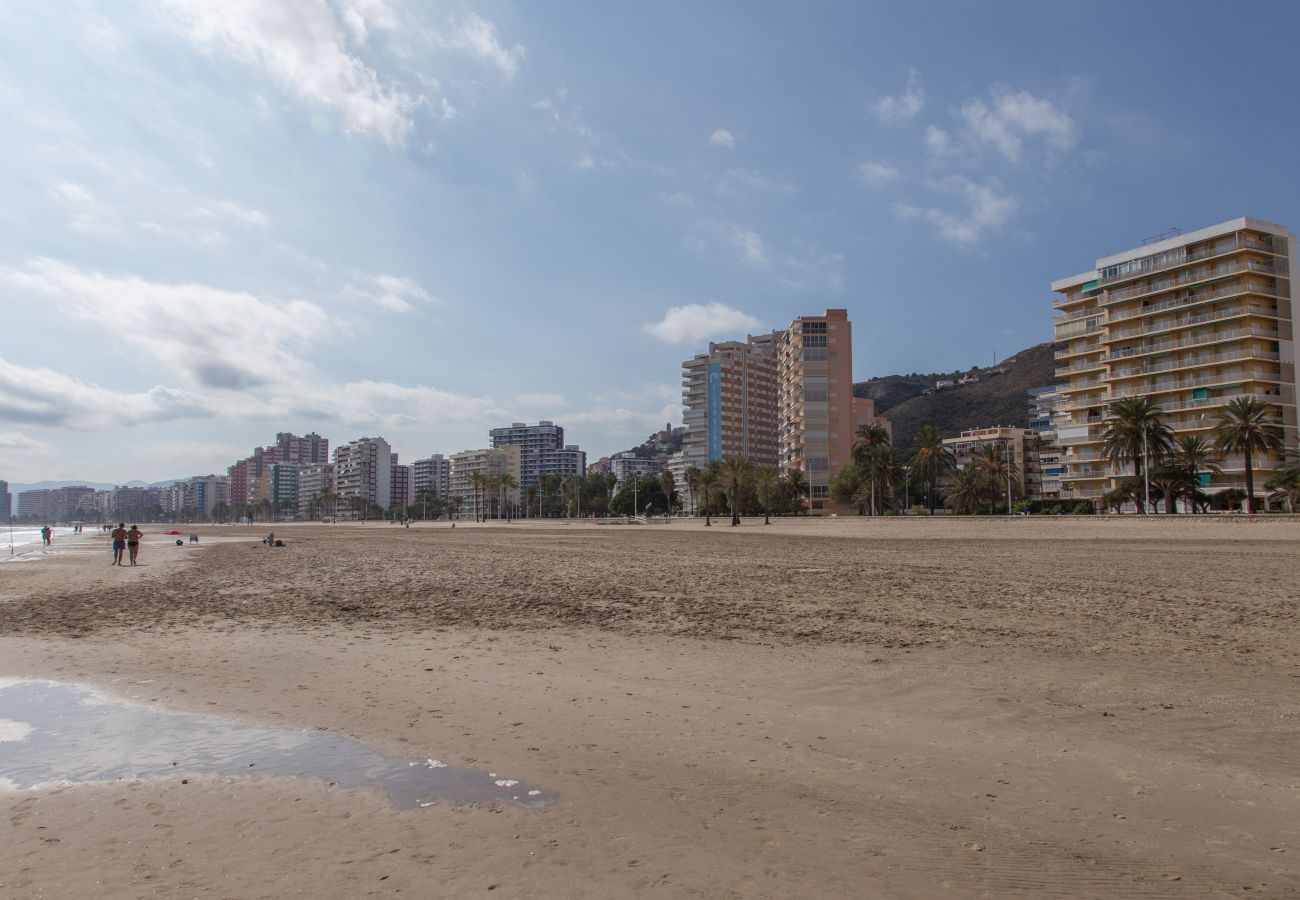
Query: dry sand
(966, 708)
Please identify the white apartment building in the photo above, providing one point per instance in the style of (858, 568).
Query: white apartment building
(432, 474)
(627, 465)
(313, 482)
(542, 451)
(363, 469)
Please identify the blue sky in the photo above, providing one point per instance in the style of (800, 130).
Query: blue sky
(423, 220)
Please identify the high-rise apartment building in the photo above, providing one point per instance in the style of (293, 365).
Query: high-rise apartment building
(432, 474)
(628, 465)
(492, 462)
(729, 399)
(53, 505)
(315, 482)
(6, 500)
(402, 492)
(1191, 321)
(542, 451)
(280, 487)
(363, 475)
(817, 413)
(308, 450)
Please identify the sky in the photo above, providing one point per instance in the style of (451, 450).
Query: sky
(423, 220)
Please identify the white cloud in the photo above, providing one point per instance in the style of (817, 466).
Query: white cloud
(905, 106)
(394, 293)
(877, 173)
(938, 141)
(750, 244)
(722, 138)
(227, 209)
(301, 44)
(50, 399)
(754, 180)
(987, 208)
(541, 399)
(477, 37)
(696, 322)
(10, 440)
(1011, 117)
(217, 338)
(71, 193)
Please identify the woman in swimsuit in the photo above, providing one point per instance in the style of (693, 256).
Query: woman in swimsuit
(133, 542)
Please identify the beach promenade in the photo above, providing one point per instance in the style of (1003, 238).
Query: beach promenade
(1045, 707)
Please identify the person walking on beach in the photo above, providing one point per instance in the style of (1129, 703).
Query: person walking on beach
(119, 543)
(133, 542)
(45, 535)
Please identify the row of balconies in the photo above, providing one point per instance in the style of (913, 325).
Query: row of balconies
(1252, 309)
(1170, 260)
(1193, 362)
(1232, 376)
(1248, 286)
(1217, 337)
(1265, 267)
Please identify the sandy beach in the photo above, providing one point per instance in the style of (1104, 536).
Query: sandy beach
(819, 708)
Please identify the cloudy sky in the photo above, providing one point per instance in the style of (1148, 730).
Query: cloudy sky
(423, 219)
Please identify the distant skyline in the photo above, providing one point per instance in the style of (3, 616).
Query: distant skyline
(424, 220)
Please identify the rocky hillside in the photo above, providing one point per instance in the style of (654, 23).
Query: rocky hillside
(999, 397)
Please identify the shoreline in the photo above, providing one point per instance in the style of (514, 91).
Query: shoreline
(724, 712)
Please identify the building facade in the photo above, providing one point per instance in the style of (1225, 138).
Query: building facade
(1026, 448)
(492, 462)
(629, 465)
(432, 474)
(729, 401)
(402, 493)
(308, 450)
(54, 505)
(315, 482)
(1190, 321)
(6, 500)
(542, 451)
(363, 476)
(818, 415)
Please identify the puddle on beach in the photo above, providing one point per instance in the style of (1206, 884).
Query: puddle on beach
(52, 733)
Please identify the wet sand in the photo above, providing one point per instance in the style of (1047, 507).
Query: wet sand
(979, 708)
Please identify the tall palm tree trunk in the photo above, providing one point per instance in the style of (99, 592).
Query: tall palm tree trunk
(1250, 485)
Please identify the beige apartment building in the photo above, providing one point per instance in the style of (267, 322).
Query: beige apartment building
(817, 413)
(492, 462)
(1191, 321)
(729, 399)
(1019, 443)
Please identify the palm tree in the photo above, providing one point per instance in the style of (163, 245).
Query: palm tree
(768, 482)
(478, 481)
(693, 488)
(869, 439)
(667, 484)
(796, 482)
(998, 472)
(848, 486)
(507, 483)
(1135, 430)
(708, 483)
(1194, 455)
(1171, 481)
(932, 460)
(965, 491)
(736, 473)
(454, 503)
(1284, 484)
(1244, 428)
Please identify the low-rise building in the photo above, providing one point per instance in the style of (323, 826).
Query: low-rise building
(629, 465)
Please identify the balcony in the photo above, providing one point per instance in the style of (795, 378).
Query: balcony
(1252, 309)
(1193, 381)
(1219, 337)
(1082, 366)
(1173, 259)
(1077, 314)
(1277, 268)
(1194, 362)
(1228, 290)
(1091, 347)
(1078, 329)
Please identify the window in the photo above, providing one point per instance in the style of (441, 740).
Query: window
(814, 340)
(815, 354)
(814, 464)
(819, 491)
(814, 327)
(816, 394)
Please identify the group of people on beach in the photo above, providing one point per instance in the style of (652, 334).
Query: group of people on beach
(126, 541)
